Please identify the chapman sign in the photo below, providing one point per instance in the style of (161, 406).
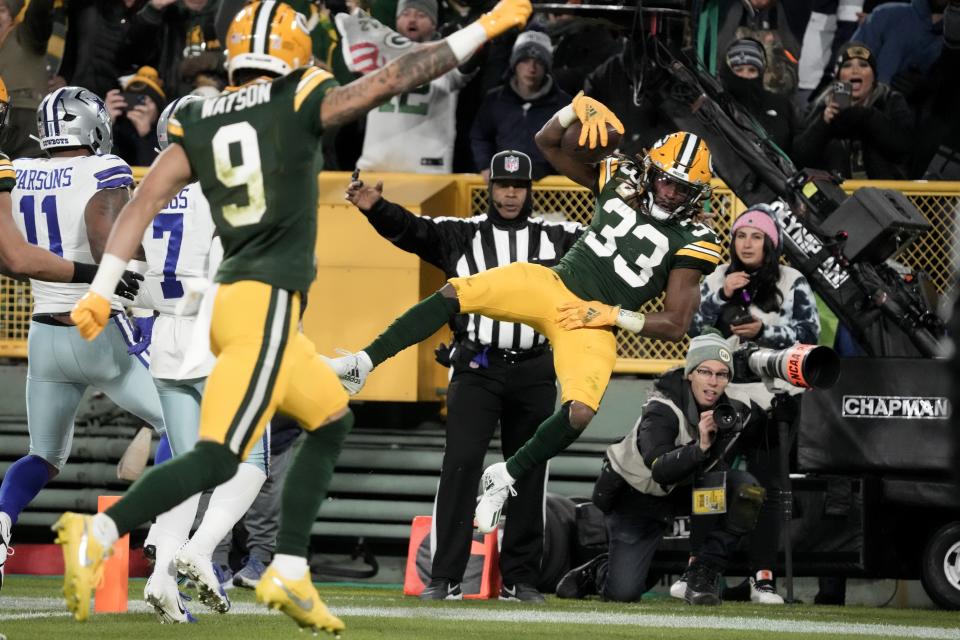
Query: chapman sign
(914, 407)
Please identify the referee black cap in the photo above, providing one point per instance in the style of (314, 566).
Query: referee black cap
(511, 165)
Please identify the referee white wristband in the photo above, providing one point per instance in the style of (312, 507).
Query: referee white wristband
(630, 320)
(567, 116)
(464, 42)
(108, 275)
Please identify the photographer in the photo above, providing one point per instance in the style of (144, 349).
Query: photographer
(755, 298)
(683, 442)
(858, 128)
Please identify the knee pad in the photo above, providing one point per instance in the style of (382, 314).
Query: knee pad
(744, 508)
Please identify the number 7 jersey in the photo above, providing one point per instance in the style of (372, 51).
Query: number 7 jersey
(626, 256)
(253, 150)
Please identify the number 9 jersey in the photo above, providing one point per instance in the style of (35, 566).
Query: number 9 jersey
(626, 256)
(262, 187)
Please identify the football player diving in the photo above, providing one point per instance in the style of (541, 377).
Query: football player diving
(253, 151)
(643, 240)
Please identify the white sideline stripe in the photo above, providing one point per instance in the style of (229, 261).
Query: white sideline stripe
(54, 609)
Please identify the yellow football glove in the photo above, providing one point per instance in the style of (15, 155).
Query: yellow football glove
(577, 314)
(506, 15)
(594, 116)
(90, 314)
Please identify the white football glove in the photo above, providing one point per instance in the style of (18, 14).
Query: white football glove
(351, 368)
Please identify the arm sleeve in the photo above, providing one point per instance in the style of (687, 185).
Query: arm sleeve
(656, 438)
(432, 239)
(798, 321)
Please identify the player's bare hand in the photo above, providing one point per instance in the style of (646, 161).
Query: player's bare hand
(708, 430)
(91, 314)
(362, 195)
(578, 314)
(505, 16)
(733, 282)
(594, 116)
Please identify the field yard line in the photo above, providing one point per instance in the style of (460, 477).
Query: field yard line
(31, 608)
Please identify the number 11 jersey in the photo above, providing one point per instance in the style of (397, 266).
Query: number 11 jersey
(253, 150)
(626, 256)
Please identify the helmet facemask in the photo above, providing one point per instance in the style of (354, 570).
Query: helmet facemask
(668, 196)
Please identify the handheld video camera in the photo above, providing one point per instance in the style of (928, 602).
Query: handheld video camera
(802, 365)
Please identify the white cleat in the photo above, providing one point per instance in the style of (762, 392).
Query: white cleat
(679, 588)
(199, 568)
(164, 597)
(5, 548)
(352, 369)
(764, 592)
(497, 485)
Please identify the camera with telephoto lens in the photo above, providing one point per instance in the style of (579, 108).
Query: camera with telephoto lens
(802, 365)
(727, 418)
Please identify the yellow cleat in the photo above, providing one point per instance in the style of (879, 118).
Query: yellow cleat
(83, 559)
(299, 600)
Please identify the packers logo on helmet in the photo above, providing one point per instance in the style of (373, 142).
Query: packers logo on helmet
(676, 176)
(4, 104)
(268, 36)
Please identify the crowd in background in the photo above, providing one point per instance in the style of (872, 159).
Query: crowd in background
(857, 87)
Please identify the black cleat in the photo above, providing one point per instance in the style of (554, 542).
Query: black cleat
(521, 592)
(581, 581)
(442, 589)
(703, 584)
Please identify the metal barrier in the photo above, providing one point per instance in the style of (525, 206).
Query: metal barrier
(556, 196)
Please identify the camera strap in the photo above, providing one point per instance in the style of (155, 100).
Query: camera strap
(710, 494)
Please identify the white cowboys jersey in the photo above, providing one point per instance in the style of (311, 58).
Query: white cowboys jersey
(177, 245)
(49, 200)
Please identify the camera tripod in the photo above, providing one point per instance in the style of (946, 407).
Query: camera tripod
(781, 405)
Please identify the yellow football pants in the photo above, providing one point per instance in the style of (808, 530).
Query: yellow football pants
(531, 293)
(264, 364)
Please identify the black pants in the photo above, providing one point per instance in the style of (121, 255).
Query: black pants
(517, 396)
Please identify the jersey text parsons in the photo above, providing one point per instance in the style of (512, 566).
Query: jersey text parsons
(237, 100)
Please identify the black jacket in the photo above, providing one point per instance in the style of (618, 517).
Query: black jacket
(880, 133)
(659, 427)
(507, 121)
(450, 245)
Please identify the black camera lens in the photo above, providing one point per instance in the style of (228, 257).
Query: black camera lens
(725, 416)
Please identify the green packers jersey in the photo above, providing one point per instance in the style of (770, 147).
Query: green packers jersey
(626, 256)
(252, 149)
(8, 177)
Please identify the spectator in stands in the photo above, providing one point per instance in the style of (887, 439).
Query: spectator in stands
(96, 32)
(134, 113)
(646, 480)
(514, 112)
(163, 30)
(742, 76)
(580, 46)
(414, 132)
(830, 26)
(23, 46)
(906, 38)
(502, 372)
(937, 150)
(761, 20)
(755, 298)
(869, 138)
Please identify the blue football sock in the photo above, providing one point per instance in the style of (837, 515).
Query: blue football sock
(24, 480)
(163, 450)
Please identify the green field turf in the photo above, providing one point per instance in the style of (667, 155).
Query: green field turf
(30, 608)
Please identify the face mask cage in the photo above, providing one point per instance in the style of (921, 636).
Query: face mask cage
(669, 196)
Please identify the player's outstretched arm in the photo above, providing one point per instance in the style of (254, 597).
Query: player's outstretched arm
(20, 259)
(679, 304)
(424, 63)
(594, 117)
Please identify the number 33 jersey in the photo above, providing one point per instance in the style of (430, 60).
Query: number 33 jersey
(49, 201)
(253, 150)
(626, 256)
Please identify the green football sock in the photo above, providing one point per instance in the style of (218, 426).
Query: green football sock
(306, 485)
(418, 323)
(165, 486)
(552, 436)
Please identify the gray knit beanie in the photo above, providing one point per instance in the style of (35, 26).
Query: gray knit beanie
(532, 44)
(428, 7)
(709, 345)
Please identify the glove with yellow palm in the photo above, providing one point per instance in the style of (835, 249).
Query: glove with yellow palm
(91, 314)
(506, 15)
(578, 314)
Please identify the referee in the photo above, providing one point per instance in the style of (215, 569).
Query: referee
(502, 372)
